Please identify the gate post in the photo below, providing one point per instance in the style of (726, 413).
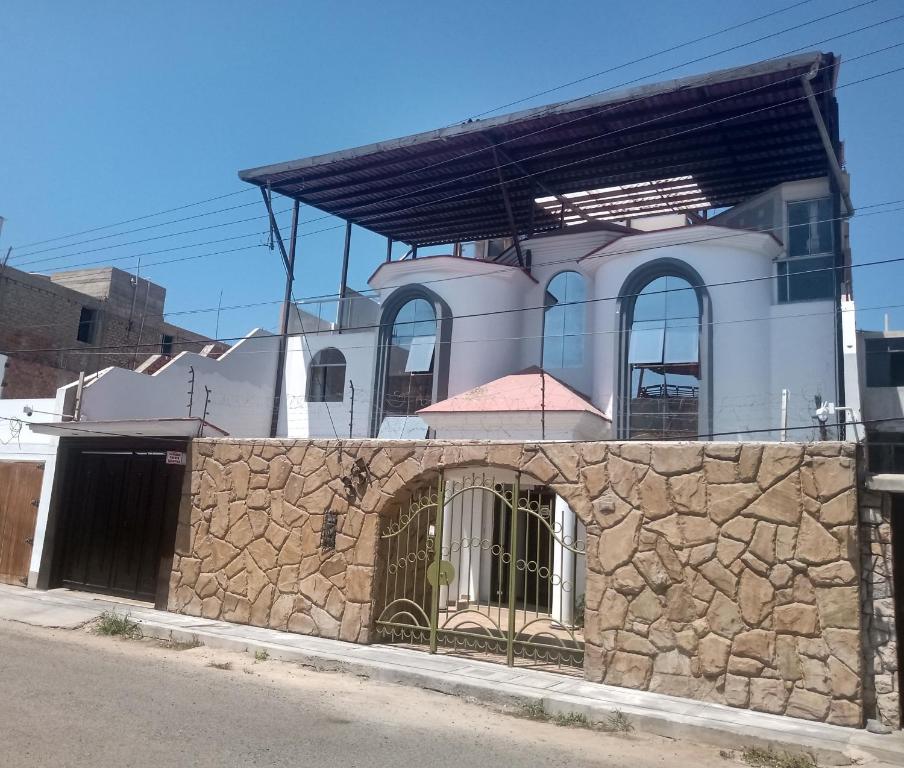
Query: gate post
(438, 555)
(513, 572)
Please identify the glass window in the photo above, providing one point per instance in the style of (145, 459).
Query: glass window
(810, 227)
(87, 325)
(166, 344)
(884, 362)
(563, 321)
(806, 279)
(326, 379)
(410, 359)
(664, 361)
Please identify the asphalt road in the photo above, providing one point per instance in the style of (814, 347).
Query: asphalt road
(73, 699)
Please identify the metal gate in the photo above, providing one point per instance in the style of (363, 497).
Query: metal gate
(476, 565)
(20, 489)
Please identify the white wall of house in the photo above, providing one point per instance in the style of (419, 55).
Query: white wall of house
(303, 419)
(519, 425)
(240, 382)
(19, 443)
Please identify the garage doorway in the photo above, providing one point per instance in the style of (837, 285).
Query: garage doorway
(118, 517)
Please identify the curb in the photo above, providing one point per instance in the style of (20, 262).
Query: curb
(842, 751)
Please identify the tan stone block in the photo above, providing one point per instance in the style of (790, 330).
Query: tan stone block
(335, 604)
(717, 472)
(831, 476)
(280, 612)
(722, 451)
(258, 499)
(355, 621)
(756, 644)
(240, 474)
(688, 493)
(739, 665)
(701, 589)
(713, 652)
(679, 603)
(787, 658)
(672, 663)
(833, 574)
(815, 545)
(728, 550)
(785, 542)
(618, 544)
(698, 530)
(727, 501)
(737, 691)
(768, 696)
(629, 670)
(653, 571)
(210, 608)
(646, 607)
(276, 535)
(815, 675)
(263, 553)
(777, 461)
(189, 568)
(779, 504)
(720, 577)
(739, 528)
(845, 683)
(240, 535)
(845, 645)
(637, 452)
(290, 553)
(288, 579)
(842, 510)
(625, 478)
(749, 462)
(698, 555)
(662, 636)
(221, 553)
(628, 580)
(795, 619)
(634, 643)
(613, 610)
(669, 559)
(763, 543)
(724, 617)
(845, 713)
(677, 458)
(781, 575)
(755, 597)
(808, 705)
(359, 583)
(838, 607)
(327, 626)
(654, 496)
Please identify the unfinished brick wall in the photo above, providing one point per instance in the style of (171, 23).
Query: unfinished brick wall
(721, 572)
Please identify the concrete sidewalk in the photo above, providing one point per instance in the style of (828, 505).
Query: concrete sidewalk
(492, 683)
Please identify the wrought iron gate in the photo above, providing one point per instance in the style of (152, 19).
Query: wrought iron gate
(481, 566)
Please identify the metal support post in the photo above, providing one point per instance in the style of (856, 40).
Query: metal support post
(513, 573)
(438, 559)
(343, 282)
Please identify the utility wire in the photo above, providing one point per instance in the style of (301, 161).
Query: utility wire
(496, 183)
(538, 131)
(495, 109)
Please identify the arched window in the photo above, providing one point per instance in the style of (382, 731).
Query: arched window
(664, 357)
(563, 321)
(409, 364)
(326, 377)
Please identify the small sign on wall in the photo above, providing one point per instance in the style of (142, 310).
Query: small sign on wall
(328, 532)
(175, 457)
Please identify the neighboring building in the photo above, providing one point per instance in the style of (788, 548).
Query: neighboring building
(691, 287)
(52, 327)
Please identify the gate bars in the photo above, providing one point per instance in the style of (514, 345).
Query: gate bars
(483, 566)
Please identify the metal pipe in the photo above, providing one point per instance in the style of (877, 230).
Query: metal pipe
(284, 319)
(827, 143)
(343, 281)
(388, 249)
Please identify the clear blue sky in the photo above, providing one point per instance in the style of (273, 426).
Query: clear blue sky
(117, 109)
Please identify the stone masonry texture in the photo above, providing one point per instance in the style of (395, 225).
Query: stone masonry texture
(721, 572)
(882, 696)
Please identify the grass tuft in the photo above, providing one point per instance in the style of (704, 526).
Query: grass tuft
(115, 624)
(261, 655)
(224, 665)
(181, 645)
(571, 720)
(618, 722)
(533, 711)
(769, 758)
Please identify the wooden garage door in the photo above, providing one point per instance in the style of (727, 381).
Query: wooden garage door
(20, 489)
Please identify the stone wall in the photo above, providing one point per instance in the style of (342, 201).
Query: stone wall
(721, 572)
(881, 693)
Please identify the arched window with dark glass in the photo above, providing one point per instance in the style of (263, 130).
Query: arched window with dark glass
(664, 362)
(563, 321)
(326, 377)
(409, 362)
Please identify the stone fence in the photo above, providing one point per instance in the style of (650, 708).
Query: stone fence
(718, 571)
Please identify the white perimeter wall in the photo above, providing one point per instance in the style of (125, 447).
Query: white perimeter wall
(34, 447)
(240, 382)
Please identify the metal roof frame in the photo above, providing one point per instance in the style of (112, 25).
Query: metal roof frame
(736, 132)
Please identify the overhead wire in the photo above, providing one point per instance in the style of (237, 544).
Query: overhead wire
(540, 130)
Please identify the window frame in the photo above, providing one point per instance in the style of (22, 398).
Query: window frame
(630, 290)
(878, 375)
(394, 304)
(318, 374)
(582, 313)
(785, 274)
(166, 343)
(89, 336)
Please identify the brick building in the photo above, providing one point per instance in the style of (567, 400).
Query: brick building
(77, 314)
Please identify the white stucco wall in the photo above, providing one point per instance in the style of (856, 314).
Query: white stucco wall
(19, 443)
(240, 382)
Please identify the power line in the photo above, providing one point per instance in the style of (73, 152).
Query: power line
(565, 85)
(474, 315)
(495, 184)
(538, 131)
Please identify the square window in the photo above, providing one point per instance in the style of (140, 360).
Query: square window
(810, 227)
(166, 344)
(884, 362)
(806, 279)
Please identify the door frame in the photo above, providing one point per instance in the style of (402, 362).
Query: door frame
(70, 448)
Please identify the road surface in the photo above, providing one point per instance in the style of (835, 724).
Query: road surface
(74, 699)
